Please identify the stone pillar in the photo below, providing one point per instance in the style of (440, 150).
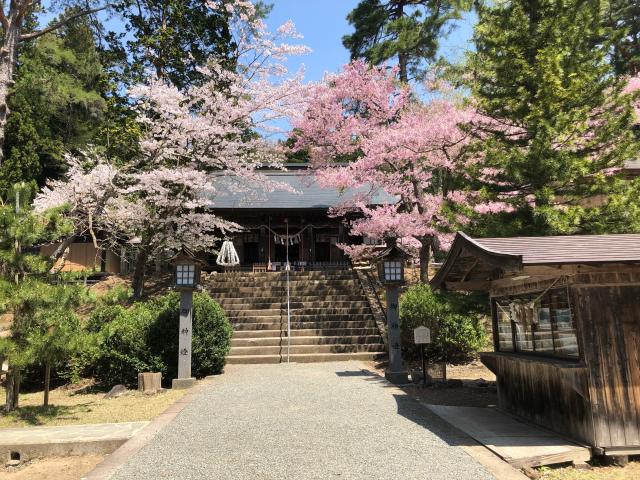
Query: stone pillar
(185, 333)
(396, 372)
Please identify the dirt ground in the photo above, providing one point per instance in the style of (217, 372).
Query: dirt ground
(475, 389)
(55, 468)
(80, 404)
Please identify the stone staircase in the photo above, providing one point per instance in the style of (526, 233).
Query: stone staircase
(330, 316)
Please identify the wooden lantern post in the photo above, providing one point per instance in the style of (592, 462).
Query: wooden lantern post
(186, 278)
(391, 274)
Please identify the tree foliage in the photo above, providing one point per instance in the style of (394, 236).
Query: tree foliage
(57, 104)
(623, 18)
(558, 123)
(410, 30)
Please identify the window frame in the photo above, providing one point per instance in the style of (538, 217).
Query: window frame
(554, 327)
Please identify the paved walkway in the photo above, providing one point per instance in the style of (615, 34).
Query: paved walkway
(303, 421)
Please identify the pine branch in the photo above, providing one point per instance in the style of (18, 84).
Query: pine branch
(61, 23)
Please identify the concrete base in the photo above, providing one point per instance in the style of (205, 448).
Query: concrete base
(182, 383)
(521, 444)
(399, 378)
(71, 440)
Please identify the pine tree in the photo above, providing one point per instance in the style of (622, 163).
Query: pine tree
(172, 38)
(23, 292)
(57, 104)
(558, 124)
(407, 29)
(624, 16)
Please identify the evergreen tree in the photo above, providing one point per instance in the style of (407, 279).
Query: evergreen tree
(624, 17)
(172, 38)
(557, 122)
(407, 29)
(22, 291)
(57, 104)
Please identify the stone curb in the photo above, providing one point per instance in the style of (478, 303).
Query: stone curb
(105, 469)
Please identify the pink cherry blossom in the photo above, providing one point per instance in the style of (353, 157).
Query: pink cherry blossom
(408, 148)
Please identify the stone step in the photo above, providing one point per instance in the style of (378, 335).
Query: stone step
(282, 283)
(344, 317)
(232, 307)
(230, 300)
(275, 292)
(335, 274)
(330, 332)
(305, 358)
(305, 325)
(302, 349)
(298, 312)
(303, 340)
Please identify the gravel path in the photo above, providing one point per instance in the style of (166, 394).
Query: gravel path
(303, 421)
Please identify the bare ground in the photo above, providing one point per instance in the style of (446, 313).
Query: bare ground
(476, 389)
(54, 468)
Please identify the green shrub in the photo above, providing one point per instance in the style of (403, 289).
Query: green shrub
(456, 323)
(122, 343)
(211, 336)
(144, 337)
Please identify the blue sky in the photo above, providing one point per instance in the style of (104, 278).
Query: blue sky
(323, 23)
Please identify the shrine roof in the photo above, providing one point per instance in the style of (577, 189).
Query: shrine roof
(304, 193)
(478, 258)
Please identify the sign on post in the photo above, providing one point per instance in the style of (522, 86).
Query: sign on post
(422, 335)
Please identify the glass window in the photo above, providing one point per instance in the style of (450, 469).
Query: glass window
(393, 271)
(543, 336)
(505, 340)
(565, 340)
(185, 274)
(541, 323)
(521, 316)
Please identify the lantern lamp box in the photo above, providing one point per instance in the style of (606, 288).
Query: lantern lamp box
(187, 269)
(422, 335)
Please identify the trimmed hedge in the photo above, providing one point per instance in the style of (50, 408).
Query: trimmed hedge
(456, 323)
(144, 337)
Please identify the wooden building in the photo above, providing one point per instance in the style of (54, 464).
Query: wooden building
(294, 221)
(566, 330)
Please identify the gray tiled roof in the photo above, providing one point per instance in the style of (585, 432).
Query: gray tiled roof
(308, 194)
(567, 249)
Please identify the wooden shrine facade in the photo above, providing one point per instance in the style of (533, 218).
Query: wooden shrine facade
(566, 330)
(295, 222)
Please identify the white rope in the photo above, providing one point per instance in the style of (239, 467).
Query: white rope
(228, 257)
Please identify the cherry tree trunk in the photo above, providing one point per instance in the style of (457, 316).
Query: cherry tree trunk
(425, 254)
(139, 273)
(8, 53)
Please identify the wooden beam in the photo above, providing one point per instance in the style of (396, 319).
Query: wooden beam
(471, 285)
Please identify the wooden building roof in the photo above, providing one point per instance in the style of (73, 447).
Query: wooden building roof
(475, 262)
(304, 194)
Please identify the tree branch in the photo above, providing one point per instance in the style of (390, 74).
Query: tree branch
(3, 19)
(61, 23)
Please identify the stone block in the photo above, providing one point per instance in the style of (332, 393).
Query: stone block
(149, 382)
(182, 383)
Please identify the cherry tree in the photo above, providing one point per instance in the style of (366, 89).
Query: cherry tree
(201, 142)
(409, 148)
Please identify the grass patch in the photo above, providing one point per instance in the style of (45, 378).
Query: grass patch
(80, 404)
(631, 471)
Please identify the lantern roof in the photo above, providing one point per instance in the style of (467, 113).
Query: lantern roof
(185, 255)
